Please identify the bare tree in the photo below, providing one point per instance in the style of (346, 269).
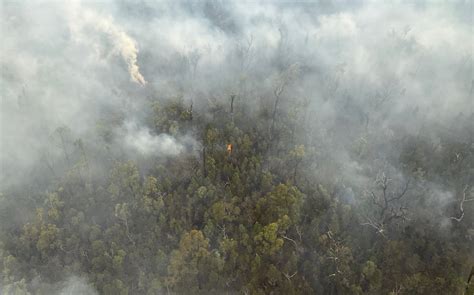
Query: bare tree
(387, 204)
(63, 133)
(244, 53)
(288, 276)
(461, 205)
(122, 212)
(244, 56)
(469, 279)
(337, 254)
(193, 59)
(281, 83)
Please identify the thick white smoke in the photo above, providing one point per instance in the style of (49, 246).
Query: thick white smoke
(84, 22)
(140, 139)
(76, 286)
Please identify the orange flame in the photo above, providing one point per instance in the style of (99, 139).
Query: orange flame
(229, 148)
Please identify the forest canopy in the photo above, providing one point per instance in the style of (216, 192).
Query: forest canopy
(236, 147)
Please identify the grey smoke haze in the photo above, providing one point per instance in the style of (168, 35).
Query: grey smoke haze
(141, 140)
(76, 286)
(71, 286)
(62, 63)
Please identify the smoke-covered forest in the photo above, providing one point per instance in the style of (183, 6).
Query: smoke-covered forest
(236, 147)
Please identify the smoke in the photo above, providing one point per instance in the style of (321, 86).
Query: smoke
(367, 71)
(123, 44)
(70, 66)
(76, 286)
(403, 65)
(141, 140)
(85, 22)
(73, 285)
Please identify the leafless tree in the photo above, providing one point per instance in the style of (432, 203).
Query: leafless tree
(288, 276)
(461, 205)
(387, 204)
(63, 133)
(281, 83)
(244, 52)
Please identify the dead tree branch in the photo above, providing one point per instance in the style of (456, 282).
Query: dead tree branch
(387, 204)
(461, 205)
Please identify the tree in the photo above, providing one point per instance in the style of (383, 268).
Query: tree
(387, 203)
(191, 267)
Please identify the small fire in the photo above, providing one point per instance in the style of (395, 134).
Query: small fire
(229, 148)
